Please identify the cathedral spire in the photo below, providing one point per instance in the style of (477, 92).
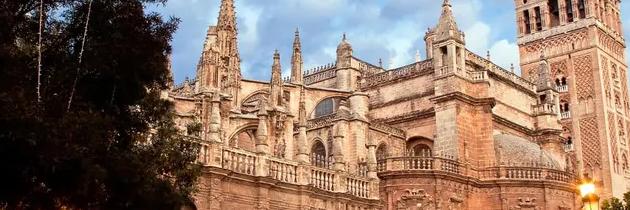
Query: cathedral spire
(447, 26)
(227, 16)
(296, 60)
(276, 81)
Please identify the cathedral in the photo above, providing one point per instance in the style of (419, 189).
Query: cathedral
(454, 131)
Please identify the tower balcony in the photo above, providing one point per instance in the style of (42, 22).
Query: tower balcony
(562, 88)
(544, 109)
(565, 115)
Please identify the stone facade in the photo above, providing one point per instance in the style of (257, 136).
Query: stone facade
(454, 131)
(584, 43)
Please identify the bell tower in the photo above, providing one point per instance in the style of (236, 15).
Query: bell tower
(583, 43)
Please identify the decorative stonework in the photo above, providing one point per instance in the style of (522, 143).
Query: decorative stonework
(584, 77)
(591, 145)
(413, 199)
(555, 42)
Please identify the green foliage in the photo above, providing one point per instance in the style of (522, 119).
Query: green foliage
(616, 204)
(194, 129)
(117, 147)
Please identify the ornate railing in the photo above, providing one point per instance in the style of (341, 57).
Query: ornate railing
(450, 165)
(388, 129)
(501, 72)
(320, 73)
(324, 179)
(239, 161)
(358, 187)
(540, 109)
(563, 88)
(324, 121)
(282, 170)
(565, 115)
(394, 74)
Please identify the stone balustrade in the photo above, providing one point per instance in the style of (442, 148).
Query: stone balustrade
(562, 88)
(398, 73)
(358, 187)
(499, 72)
(565, 115)
(239, 161)
(452, 166)
(542, 109)
(388, 129)
(283, 170)
(323, 177)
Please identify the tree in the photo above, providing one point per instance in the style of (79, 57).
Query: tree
(117, 146)
(616, 204)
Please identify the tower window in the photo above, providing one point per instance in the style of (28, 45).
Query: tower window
(582, 9)
(527, 22)
(554, 12)
(538, 18)
(569, 7)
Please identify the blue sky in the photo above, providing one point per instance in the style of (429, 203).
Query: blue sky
(392, 30)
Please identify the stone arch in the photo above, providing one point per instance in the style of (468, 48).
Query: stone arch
(382, 151)
(244, 137)
(419, 146)
(336, 99)
(319, 153)
(250, 102)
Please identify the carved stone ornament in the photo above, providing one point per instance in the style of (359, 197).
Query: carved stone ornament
(415, 199)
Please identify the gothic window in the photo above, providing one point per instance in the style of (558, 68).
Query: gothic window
(568, 146)
(569, 9)
(381, 152)
(582, 9)
(421, 150)
(538, 18)
(419, 147)
(326, 107)
(318, 155)
(554, 12)
(245, 140)
(527, 22)
(444, 52)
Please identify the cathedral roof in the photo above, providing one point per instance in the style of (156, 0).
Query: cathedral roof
(515, 151)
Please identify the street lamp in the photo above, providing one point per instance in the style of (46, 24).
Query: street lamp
(590, 199)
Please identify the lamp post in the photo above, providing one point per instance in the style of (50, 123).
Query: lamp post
(590, 199)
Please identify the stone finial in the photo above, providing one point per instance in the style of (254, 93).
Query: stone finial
(276, 80)
(227, 16)
(512, 68)
(417, 56)
(297, 75)
(447, 26)
(488, 54)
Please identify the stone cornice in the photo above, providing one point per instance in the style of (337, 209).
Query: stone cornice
(464, 98)
(510, 124)
(409, 116)
(403, 99)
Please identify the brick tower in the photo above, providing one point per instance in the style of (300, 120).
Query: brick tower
(583, 42)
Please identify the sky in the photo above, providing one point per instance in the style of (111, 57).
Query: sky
(391, 30)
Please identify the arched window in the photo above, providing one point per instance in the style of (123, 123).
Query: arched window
(326, 107)
(318, 155)
(245, 139)
(563, 81)
(419, 147)
(558, 82)
(381, 152)
(422, 150)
